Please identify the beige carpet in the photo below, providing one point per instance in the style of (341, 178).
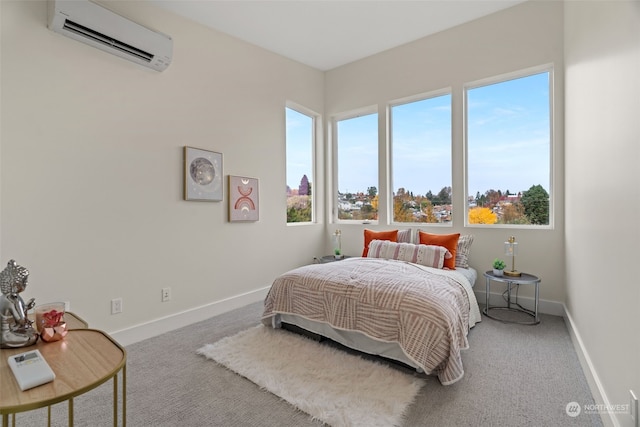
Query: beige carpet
(331, 385)
(515, 375)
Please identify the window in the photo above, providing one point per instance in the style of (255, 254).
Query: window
(356, 167)
(509, 150)
(300, 138)
(421, 156)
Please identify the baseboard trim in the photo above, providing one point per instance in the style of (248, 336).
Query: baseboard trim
(554, 308)
(597, 390)
(174, 321)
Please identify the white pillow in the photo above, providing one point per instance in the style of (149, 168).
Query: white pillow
(429, 255)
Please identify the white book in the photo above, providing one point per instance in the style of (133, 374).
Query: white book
(30, 369)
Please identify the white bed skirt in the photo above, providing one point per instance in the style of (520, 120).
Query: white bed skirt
(352, 339)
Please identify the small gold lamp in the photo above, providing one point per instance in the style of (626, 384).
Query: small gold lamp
(511, 249)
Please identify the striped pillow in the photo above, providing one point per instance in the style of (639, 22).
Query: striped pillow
(428, 255)
(404, 236)
(464, 248)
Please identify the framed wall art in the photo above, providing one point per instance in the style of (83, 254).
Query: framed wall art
(202, 175)
(243, 199)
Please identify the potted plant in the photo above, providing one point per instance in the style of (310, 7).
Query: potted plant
(498, 267)
(337, 253)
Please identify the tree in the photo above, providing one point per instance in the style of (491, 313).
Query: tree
(401, 212)
(299, 214)
(492, 197)
(427, 210)
(444, 196)
(298, 209)
(513, 213)
(372, 191)
(481, 215)
(305, 188)
(536, 205)
(374, 203)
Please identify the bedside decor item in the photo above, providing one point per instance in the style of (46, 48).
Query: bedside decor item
(202, 175)
(50, 321)
(243, 199)
(498, 267)
(337, 244)
(511, 249)
(16, 329)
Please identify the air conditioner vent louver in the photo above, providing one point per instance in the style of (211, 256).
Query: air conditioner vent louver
(106, 40)
(99, 27)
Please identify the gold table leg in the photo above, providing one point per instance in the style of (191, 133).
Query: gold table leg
(71, 412)
(124, 395)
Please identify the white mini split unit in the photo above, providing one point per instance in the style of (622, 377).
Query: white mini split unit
(99, 27)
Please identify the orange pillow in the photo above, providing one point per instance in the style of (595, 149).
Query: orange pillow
(449, 241)
(370, 235)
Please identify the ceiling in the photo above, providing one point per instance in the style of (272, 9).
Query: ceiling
(326, 34)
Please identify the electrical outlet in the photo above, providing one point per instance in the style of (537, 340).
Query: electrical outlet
(166, 294)
(633, 400)
(116, 305)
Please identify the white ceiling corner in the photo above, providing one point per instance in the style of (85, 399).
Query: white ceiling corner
(326, 34)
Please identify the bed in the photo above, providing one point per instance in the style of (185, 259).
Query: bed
(401, 310)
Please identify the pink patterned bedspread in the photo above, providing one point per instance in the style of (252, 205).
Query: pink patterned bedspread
(425, 310)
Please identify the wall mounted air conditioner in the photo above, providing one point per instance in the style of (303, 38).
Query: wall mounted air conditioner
(99, 27)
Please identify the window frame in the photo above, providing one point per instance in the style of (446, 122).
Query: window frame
(501, 78)
(316, 120)
(389, 129)
(333, 155)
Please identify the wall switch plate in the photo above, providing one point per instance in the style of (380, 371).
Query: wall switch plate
(166, 294)
(116, 305)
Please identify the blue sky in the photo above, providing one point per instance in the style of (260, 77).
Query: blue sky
(299, 147)
(508, 148)
(509, 135)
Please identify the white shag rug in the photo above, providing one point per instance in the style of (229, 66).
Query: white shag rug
(331, 385)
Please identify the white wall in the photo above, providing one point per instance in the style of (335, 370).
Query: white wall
(602, 46)
(91, 163)
(92, 172)
(520, 37)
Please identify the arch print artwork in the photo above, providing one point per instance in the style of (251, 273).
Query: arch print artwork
(243, 199)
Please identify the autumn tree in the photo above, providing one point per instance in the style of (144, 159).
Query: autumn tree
(401, 209)
(481, 215)
(493, 196)
(427, 210)
(513, 213)
(374, 203)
